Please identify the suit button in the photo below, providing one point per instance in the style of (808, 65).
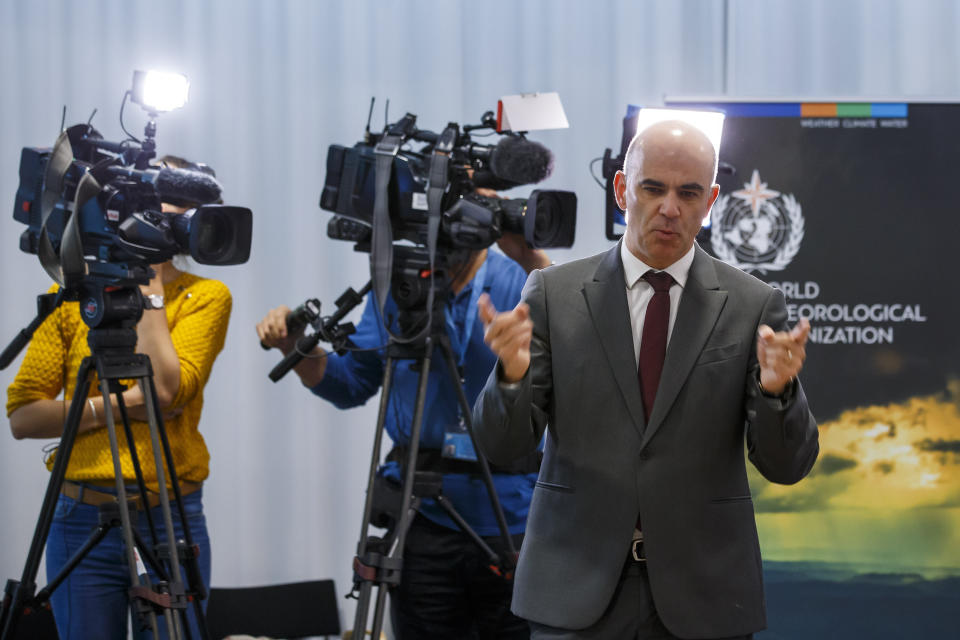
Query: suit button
(645, 454)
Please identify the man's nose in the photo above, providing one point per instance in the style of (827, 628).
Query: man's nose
(670, 206)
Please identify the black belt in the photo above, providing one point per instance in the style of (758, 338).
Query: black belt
(433, 460)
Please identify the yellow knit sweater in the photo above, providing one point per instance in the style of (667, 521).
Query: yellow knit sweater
(198, 310)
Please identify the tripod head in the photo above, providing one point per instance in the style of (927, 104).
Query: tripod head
(103, 307)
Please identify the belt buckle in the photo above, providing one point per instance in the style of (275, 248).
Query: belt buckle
(636, 549)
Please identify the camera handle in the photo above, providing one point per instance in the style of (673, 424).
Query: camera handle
(379, 562)
(328, 329)
(113, 359)
(46, 303)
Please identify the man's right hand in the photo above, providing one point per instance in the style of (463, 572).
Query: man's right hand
(508, 335)
(273, 330)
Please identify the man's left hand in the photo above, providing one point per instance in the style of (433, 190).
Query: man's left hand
(781, 355)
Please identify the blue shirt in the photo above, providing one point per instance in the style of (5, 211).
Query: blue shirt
(350, 380)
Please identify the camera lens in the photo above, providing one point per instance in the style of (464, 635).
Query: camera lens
(551, 218)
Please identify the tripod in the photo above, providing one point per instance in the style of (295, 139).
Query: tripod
(113, 359)
(379, 562)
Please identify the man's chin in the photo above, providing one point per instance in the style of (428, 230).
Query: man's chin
(666, 251)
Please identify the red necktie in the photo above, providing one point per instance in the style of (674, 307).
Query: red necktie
(653, 342)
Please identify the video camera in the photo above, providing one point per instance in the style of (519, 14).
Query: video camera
(91, 215)
(94, 216)
(469, 221)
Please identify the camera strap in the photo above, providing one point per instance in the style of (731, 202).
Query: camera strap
(460, 342)
(381, 242)
(436, 186)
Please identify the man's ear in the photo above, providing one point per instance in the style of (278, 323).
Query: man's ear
(714, 192)
(620, 190)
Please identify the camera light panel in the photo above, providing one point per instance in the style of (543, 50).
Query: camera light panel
(159, 91)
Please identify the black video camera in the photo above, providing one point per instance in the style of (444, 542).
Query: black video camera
(93, 212)
(469, 221)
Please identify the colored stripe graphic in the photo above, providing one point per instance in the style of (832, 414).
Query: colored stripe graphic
(888, 110)
(854, 110)
(801, 110)
(818, 110)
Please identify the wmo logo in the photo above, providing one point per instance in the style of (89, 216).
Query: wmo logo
(756, 228)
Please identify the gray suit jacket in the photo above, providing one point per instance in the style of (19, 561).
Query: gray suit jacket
(683, 471)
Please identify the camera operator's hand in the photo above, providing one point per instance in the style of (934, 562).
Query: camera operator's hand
(272, 331)
(153, 339)
(508, 334)
(515, 247)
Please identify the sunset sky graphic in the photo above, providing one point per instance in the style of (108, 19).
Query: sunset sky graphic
(884, 495)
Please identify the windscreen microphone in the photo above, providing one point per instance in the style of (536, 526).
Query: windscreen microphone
(177, 186)
(515, 161)
(186, 186)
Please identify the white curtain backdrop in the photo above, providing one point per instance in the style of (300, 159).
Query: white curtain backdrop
(274, 83)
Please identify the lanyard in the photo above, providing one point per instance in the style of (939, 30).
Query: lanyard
(461, 343)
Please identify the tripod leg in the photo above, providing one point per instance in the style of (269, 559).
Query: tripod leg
(467, 529)
(365, 586)
(126, 527)
(96, 536)
(409, 503)
(135, 459)
(413, 448)
(18, 594)
(394, 558)
(467, 412)
(176, 584)
(194, 581)
(146, 551)
(149, 557)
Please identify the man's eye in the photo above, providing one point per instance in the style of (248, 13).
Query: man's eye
(652, 189)
(688, 194)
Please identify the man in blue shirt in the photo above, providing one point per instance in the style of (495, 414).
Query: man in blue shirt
(447, 589)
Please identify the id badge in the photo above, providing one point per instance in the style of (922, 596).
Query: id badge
(457, 444)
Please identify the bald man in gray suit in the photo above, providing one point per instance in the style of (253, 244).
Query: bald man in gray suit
(642, 524)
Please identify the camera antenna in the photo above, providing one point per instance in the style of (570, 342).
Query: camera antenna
(366, 134)
(386, 115)
(63, 117)
(90, 119)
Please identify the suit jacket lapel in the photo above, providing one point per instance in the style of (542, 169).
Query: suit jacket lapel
(606, 299)
(700, 306)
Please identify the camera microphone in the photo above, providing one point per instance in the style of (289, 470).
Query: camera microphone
(515, 161)
(178, 186)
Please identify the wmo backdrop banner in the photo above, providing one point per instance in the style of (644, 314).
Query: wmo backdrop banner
(853, 210)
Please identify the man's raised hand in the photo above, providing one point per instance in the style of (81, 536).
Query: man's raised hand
(508, 334)
(781, 355)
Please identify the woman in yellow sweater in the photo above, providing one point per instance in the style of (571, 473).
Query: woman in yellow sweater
(182, 330)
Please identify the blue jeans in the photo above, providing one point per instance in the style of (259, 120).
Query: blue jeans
(93, 602)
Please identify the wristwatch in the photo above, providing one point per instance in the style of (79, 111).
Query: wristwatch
(153, 301)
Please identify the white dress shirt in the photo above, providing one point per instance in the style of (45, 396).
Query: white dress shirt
(639, 291)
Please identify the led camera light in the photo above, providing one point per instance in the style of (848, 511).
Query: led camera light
(158, 91)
